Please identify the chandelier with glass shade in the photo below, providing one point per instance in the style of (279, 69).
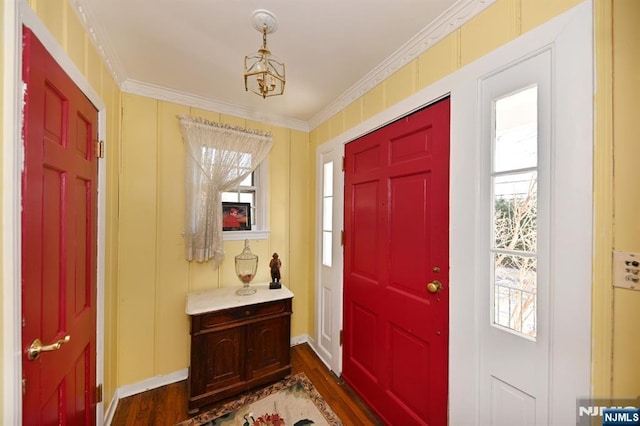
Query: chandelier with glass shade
(263, 72)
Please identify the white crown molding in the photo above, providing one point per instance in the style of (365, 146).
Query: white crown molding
(106, 51)
(162, 93)
(452, 19)
(183, 98)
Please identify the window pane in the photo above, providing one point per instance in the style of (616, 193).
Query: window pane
(230, 196)
(515, 210)
(248, 181)
(326, 248)
(327, 178)
(247, 197)
(515, 286)
(516, 139)
(327, 214)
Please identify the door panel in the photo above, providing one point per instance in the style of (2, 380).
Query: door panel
(59, 223)
(396, 227)
(408, 216)
(365, 244)
(329, 291)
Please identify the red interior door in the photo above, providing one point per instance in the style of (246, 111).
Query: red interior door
(397, 241)
(59, 216)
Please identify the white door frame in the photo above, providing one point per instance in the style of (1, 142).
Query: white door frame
(570, 36)
(16, 14)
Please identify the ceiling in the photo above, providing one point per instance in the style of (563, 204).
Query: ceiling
(192, 51)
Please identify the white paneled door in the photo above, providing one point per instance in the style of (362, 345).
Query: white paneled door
(330, 183)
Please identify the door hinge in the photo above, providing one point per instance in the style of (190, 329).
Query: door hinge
(343, 163)
(341, 337)
(99, 149)
(341, 238)
(99, 393)
(24, 386)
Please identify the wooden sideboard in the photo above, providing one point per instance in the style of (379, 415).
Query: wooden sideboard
(237, 342)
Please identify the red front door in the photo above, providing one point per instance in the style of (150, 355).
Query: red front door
(59, 216)
(397, 242)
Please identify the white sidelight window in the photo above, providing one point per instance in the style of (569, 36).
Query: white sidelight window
(514, 185)
(327, 213)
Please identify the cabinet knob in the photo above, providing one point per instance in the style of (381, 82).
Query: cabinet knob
(247, 313)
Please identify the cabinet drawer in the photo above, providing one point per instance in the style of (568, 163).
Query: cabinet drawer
(243, 313)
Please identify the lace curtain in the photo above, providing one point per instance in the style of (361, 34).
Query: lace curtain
(217, 158)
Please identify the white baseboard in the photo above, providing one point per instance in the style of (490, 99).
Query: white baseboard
(167, 379)
(152, 383)
(302, 338)
(312, 344)
(111, 411)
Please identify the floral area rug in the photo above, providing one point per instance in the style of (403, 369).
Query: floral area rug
(291, 402)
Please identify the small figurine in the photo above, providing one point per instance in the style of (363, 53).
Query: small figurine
(275, 265)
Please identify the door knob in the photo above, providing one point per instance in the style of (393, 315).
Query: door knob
(36, 347)
(434, 286)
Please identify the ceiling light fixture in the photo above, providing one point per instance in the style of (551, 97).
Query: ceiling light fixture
(263, 72)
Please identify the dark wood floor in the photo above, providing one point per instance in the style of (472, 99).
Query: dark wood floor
(168, 405)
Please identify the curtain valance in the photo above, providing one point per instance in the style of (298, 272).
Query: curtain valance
(217, 158)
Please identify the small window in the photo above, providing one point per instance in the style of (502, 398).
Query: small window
(245, 192)
(514, 181)
(327, 214)
(252, 190)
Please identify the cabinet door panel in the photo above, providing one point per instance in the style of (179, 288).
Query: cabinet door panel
(222, 363)
(269, 348)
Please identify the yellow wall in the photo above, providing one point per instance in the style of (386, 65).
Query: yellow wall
(154, 278)
(146, 331)
(626, 152)
(602, 293)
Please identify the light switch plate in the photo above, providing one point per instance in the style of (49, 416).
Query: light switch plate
(626, 270)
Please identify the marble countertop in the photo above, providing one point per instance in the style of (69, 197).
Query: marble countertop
(199, 302)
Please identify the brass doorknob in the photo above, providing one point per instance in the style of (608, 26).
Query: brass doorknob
(37, 347)
(434, 286)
